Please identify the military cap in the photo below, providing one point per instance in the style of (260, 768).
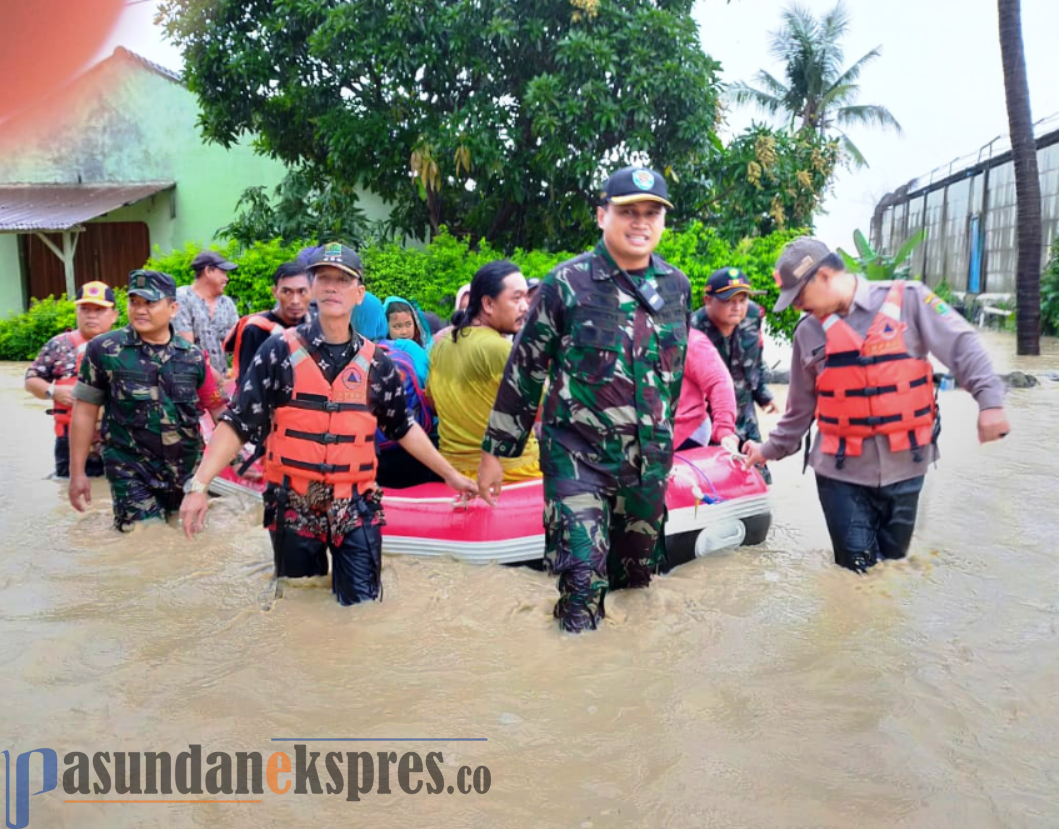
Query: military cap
(152, 285)
(633, 184)
(339, 256)
(727, 282)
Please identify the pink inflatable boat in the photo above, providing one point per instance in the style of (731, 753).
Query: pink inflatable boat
(713, 504)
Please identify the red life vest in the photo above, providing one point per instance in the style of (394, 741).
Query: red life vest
(233, 342)
(326, 433)
(63, 415)
(872, 386)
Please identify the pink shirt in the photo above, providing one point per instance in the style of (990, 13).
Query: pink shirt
(706, 381)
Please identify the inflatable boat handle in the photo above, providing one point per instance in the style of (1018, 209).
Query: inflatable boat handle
(735, 460)
(449, 499)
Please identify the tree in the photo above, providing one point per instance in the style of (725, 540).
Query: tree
(302, 210)
(819, 94)
(1027, 179)
(497, 119)
(764, 181)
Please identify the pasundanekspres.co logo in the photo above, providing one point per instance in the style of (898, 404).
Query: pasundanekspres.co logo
(134, 777)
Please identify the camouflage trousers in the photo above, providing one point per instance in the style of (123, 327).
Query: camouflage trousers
(138, 498)
(598, 540)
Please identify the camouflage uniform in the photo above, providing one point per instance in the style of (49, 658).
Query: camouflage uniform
(614, 372)
(57, 360)
(151, 437)
(742, 352)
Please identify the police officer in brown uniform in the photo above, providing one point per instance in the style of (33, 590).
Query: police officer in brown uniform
(860, 369)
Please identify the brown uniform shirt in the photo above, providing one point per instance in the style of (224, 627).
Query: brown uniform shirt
(933, 328)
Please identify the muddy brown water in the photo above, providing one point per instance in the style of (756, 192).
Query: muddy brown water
(757, 688)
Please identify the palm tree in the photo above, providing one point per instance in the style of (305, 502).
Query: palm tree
(1027, 179)
(819, 92)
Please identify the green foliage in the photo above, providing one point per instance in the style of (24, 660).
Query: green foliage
(23, 335)
(497, 120)
(943, 291)
(1050, 293)
(303, 209)
(433, 276)
(879, 266)
(819, 94)
(177, 263)
(430, 276)
(765, 180)
(700, 250)
(250, 285)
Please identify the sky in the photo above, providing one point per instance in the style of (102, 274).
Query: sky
(939, 74)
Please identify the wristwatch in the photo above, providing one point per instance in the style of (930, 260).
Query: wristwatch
(49, 392)
(194, 485)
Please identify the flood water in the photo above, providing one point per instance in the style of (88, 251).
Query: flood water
(757, 688)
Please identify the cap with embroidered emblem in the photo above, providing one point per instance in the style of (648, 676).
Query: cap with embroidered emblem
(338, 256)
(797, 264)
(152, 285)
(725, 283)
(633, 184)
(95, 293)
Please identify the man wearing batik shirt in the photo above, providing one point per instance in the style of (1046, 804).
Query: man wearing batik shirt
(206, 315)
(54, 373)
(320, 391)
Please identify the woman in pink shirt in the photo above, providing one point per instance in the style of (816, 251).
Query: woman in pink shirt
(706, 411)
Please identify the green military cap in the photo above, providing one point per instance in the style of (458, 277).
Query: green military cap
(152, 285)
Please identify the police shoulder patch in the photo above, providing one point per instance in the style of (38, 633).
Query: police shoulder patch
(940, 307)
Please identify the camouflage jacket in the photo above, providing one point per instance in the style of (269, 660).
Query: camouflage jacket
(57, 359)
(742, 352)
(614, 372)
(150, 400)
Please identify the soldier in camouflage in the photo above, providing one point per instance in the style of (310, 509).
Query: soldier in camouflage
(733, 321)
(607, 332)
(151, 384)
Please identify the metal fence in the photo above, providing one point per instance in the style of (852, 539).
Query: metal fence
(968, 210)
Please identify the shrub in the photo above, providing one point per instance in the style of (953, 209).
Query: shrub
(23, 335)
(249, 285)
(430, 276)
(1050, 293)
(700, 250)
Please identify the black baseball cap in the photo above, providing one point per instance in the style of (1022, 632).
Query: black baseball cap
(211, 259)
(339, 256)
(633, 184)
(725, 283)
(152, 285)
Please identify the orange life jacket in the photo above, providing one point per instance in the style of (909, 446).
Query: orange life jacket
(326, 433)
(872, 386)
(233, 342)
(63, 415)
